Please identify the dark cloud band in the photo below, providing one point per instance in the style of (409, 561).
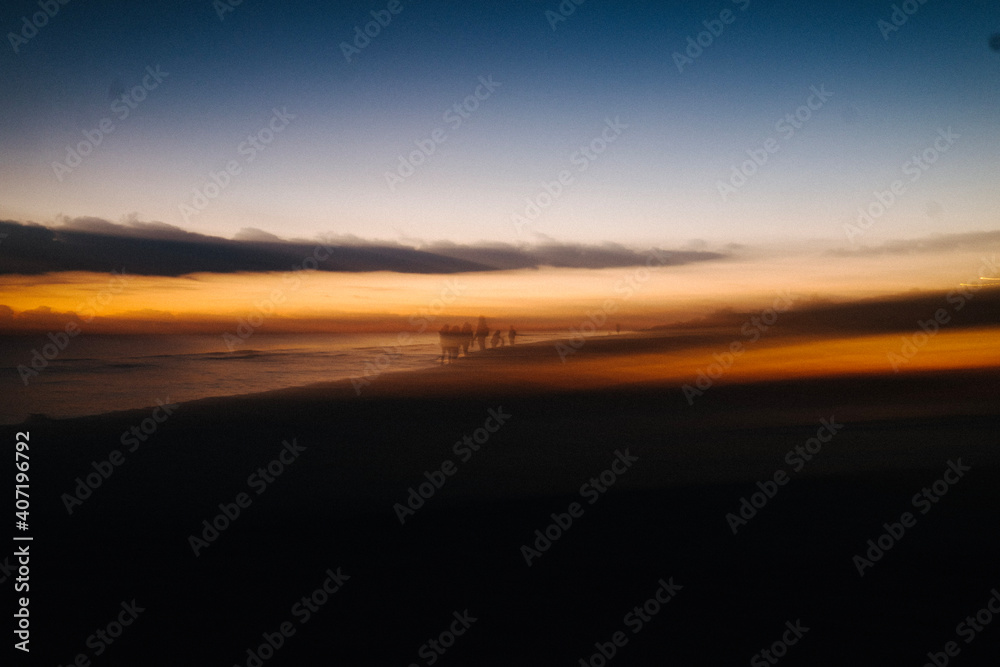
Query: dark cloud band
(159, 249)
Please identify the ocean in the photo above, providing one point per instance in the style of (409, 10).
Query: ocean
(95, 374)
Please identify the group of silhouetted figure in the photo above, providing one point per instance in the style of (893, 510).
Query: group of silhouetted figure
(455, 339)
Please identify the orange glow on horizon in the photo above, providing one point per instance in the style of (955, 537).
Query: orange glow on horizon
(547, 298)
(780, 359)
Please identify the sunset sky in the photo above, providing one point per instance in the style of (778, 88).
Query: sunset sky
(697, 238)
(595, 120)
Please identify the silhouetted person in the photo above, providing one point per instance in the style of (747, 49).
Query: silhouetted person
(466, 338)
(497, 339)
(618, 328)
(482, 331)
(454, 342)
(445, 334)
(511, 335)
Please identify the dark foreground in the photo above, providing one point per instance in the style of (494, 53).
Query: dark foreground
(459, 556)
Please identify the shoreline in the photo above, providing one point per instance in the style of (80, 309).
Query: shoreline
(509, 371)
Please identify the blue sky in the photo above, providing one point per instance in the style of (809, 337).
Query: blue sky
(657, 182)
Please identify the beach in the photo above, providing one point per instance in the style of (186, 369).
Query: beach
(426, 490)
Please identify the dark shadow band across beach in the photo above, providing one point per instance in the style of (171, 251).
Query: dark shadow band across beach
(428, 489)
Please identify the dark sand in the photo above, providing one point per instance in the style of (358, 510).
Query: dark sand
(663, 518)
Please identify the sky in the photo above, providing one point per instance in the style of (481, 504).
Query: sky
(346, 124)
(501, 138)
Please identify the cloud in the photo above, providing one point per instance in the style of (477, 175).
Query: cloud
(254, 234)
(37, 319)
(562, 255)
(935, 243)
(971, 306)
(159, 249)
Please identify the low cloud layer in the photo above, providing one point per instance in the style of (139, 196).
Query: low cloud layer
(159, 249)
(976, 305)
(989, 240)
